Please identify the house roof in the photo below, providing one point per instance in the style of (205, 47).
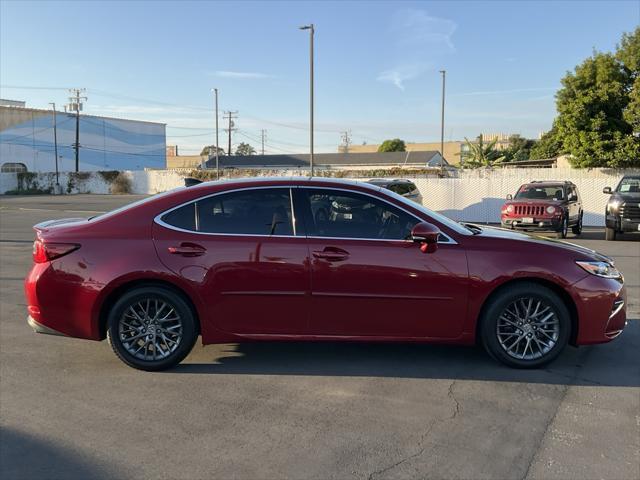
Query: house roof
(413, 159)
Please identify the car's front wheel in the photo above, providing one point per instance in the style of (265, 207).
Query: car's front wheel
(525, 325)
(564, 228)
(610, 233)
(577, 228)
(151, 328)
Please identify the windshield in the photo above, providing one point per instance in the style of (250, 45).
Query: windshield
(629, 185)
(539, 192)
(455, 226)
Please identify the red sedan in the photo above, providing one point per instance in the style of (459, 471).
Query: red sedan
(312, 259)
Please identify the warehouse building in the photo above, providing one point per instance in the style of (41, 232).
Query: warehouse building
(27, 141)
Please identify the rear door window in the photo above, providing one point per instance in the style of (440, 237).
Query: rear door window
(245, 212)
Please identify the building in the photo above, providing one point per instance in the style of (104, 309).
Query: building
(454, 150)
(339, 161)
(27, 142)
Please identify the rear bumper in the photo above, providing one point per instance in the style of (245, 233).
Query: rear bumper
(39, 328)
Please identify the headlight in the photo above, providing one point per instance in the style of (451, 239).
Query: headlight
(613, 206)
(551, 209)
(600, 269)
(510, 209)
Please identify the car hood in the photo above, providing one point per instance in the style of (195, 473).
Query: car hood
(519, 201)
(514, 236)
(626, 197)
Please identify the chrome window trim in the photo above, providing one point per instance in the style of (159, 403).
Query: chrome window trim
(158, 218)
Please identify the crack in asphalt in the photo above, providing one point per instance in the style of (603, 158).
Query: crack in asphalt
(455, 412)
(565, 390)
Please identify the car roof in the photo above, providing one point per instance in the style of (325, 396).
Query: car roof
(549, 183)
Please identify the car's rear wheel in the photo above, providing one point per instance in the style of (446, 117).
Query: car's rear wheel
(577, 228)
(525, 326)
(151, 328)
(564, 228)
(610, 233)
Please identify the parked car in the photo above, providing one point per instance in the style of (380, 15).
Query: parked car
(406, 188)
(544, 206)
(246, 260)
(623, 208)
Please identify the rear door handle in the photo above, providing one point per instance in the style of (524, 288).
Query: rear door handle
(332, 254)
(188, 250)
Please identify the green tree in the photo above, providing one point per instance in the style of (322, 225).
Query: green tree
(519, 149)
(598, 108)
(245, 149)
(393, 145)
(211, 149)
(481, 154)
(549, 146)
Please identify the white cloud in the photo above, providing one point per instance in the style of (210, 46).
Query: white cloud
(246, 75)
(417, 35)
(416, 28)
(400, 74)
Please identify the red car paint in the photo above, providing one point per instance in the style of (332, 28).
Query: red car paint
(307, 288)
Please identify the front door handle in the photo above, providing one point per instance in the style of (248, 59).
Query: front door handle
(332, 254)
(188, 250)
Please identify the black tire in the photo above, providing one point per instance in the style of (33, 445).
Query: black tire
(564, 229)
(136, 298)
(577, 228)
(610, 233)
(497, 309)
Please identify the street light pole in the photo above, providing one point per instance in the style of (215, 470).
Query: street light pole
(311, 29)
(444, 73)
(55, 142)
(215, 90)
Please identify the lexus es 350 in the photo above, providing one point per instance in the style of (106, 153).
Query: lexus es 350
(312, 259)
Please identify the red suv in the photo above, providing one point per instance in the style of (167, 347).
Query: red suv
(544, 206)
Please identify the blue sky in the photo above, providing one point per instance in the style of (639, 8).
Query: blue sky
(376, 64)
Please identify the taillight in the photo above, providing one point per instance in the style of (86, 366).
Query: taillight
(44, 252)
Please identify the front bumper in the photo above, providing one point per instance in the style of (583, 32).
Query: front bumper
(538, 224)
(39, 328)
(622, 224)
(602, 309)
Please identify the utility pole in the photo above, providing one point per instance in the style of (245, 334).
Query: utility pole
(215, 90)
(311, 29)
(444, 73)
(230, 117)
(75, 104)
(263, 137)
(346, 140)
(55, 143)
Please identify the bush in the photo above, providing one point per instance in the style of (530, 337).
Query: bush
(121, 184)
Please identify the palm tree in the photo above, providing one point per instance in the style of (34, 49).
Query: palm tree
(480, 154)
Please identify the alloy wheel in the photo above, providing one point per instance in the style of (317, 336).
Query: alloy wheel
(150, 329)
(528, 328)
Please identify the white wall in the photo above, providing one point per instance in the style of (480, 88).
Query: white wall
(474, 196)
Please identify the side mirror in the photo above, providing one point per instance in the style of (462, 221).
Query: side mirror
(573, 198)
(426, 235)
(509, 196)
(607, 190)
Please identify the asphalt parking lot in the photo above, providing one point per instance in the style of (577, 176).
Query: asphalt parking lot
(70, 409)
